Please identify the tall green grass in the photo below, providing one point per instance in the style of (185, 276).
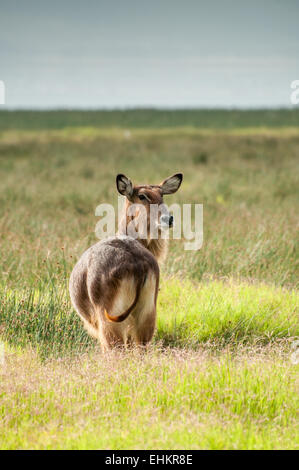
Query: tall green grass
(219, 373)
(214, 314)
(51, 183)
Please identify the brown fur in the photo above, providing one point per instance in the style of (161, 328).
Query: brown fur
(114, 285)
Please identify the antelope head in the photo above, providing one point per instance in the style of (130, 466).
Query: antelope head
(145, 209)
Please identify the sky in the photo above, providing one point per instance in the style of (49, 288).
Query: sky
(153, 53)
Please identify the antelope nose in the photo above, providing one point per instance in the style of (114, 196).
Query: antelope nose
(167, 220)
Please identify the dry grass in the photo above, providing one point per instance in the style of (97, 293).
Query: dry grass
(248, 184)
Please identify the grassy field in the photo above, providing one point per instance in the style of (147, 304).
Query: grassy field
(219, 373)
(174, 399)
(149, 118)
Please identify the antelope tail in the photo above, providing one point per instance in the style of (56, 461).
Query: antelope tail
(123, 316)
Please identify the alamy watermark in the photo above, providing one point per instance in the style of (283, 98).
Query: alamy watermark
(295, 352)
(153, 222)
(2, 92)
(294, 97)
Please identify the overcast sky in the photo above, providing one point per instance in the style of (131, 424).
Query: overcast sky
(160, 53)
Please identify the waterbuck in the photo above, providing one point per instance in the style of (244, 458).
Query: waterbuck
(114, 285)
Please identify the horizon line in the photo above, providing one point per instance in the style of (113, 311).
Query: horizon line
(149, 108)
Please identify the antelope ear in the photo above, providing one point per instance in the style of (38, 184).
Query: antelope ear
(171, 184)
(124, 185)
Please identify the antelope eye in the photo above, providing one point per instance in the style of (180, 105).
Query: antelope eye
(141, 197)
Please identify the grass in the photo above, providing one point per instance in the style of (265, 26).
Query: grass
(171, 399)
(149, 118)
(51, 183)
(219, 373)
(217, 314)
